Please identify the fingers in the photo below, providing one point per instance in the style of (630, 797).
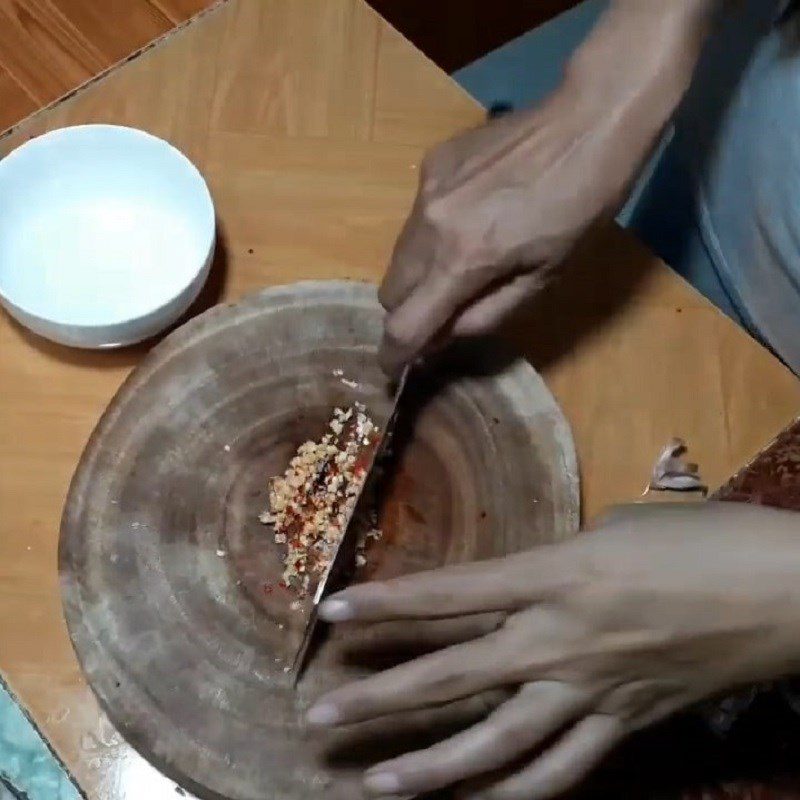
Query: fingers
(433, 679)
(420, 316)
(413, 324)
(409, 262)
(534, 714)
(420, 636)
(502, 584)
(561, 767)
(489, 311)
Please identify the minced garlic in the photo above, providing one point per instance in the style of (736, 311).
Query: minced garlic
(311, 503)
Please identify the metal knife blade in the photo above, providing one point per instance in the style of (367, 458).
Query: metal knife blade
(339, 570)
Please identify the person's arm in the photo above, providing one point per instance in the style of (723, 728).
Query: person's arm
(655, 610)
(500, 205)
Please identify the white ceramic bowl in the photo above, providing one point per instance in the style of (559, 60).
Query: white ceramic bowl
(106, 235)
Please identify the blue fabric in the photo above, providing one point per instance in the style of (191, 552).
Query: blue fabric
(523, 72)
(28, 768)
(739, 133)
(720, 201)
(665, 215)
(527, 69)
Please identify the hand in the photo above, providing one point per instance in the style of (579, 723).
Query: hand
(497, 208)
(500, 206)
(657, 609)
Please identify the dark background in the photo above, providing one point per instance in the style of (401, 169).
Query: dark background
(455, 32)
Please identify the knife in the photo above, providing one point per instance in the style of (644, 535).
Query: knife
(339, 571)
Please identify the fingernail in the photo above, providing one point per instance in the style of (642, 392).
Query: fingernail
(323, 715)
(336, 611)
(382, 783)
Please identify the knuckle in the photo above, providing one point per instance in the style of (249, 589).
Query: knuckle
(429, 169)
(641, 699)
(434, 212)
(457, 264)
(397, 334)
(555, 781)
(495, 621)
(472, 323)
(487, 703)
(509, 738)
(583, 570)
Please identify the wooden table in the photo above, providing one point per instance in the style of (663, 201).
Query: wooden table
(309, 119)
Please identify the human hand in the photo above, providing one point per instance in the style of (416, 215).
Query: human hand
(497, 208)
(657, 609)
(500, 206)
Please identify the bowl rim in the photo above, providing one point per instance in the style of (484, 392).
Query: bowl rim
(209, 212)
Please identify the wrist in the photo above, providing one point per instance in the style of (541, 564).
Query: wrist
(625, 82)
(641, 56)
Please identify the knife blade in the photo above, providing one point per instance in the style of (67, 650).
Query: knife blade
(339, 570)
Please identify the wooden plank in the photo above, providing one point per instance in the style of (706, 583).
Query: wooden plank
(175, 106)
(317, 75)
(406, 83)
(180, 10)
(354, 216)
(116, 28)
(43, 51)
(15, 102)
(309, 119)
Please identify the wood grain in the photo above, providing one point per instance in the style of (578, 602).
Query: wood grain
(115, 27)
(15, 102)
(194, 668)
(43, 51)
(632, 354)
(50, 47)
(317, 82)
(66, 40)
(404, 83)
(180, 10)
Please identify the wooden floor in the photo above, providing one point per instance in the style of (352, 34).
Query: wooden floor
(50, 47)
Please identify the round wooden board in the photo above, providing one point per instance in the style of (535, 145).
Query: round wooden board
(167, 574)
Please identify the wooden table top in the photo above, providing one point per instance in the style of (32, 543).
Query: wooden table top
(309, 119)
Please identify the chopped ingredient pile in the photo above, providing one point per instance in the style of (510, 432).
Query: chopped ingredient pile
(311, 503)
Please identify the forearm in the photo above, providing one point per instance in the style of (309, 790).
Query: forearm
(501, 205)
(627, 79)
(644, 50)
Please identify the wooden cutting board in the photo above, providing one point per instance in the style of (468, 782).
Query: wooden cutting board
(169, 579)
